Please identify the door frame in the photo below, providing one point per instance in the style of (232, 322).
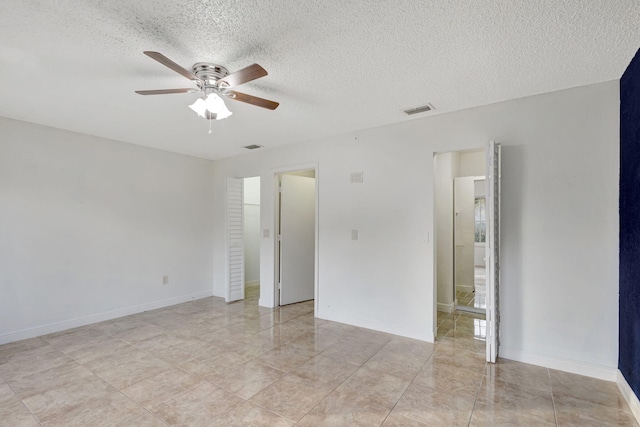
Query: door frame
(492, 249)
(276, 173)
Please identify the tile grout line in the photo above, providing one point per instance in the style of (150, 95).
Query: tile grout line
(22, 400)
(23, 403)
(475, 401)
(110, 385)
(482, 379)
(553, 399)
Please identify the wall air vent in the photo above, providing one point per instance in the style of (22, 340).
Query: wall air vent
(417, 110)
(253, 147)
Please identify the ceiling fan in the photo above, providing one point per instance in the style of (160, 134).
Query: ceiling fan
(215, 82)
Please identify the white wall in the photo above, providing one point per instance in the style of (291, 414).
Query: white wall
(472, 163)
(446, 167)
(251, 189)
(252, 230)
(464, 232)
(559, 248)
(89, 227)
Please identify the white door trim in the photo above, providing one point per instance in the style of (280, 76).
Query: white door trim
(493, 183)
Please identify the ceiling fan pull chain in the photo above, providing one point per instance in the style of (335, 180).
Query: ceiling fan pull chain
(210, 131)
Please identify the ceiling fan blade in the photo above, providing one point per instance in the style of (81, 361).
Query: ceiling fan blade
(169, 63)
(245, 75)
(253, 100)
(166, 91)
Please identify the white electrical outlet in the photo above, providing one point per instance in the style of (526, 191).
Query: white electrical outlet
(165, 280)
(265, 233)
(354, 234)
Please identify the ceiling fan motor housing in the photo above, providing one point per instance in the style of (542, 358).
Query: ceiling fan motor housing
(209, 73)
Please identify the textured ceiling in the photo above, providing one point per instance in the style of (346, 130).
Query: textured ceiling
(334, 65)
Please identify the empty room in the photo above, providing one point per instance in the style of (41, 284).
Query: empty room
(373, 213)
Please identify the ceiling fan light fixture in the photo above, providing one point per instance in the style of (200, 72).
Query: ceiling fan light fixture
(200, 107)
(216, 105)
(211, 107)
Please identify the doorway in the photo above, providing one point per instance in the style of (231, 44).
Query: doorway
(456, 174)
(454, 191)
(296, 232)
(463, 217)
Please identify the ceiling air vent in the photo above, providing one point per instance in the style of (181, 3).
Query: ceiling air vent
(253, 147)
(417, 110)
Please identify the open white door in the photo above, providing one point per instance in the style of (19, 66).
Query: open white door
(493, 250)
(234, 274)
(297, 238)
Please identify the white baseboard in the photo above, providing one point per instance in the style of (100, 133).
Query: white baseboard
(252, 284)
(422, 335)
(629, 395)
(95, 318)
(567, 365)
(447, 308)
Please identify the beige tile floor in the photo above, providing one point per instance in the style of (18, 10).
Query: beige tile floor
(478, 297)
(206, 363)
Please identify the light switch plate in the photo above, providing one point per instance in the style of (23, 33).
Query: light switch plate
(354, 234)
